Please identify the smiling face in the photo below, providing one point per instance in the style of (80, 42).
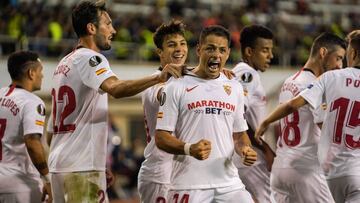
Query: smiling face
(259, 56)
(213, 53)
(174, 50)
(105, 32)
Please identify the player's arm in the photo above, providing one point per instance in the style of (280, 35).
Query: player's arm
(49, 136)
(125, 88)
(170, 144)
(280, 112)
(37, 155)
(242, 145)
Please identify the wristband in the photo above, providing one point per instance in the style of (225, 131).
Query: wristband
(45, 178)
(187, 148)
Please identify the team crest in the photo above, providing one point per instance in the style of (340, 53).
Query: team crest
(227, 89)
(41, 109)
(246, 77)
(94, 61)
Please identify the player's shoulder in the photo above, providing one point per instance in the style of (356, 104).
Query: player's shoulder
(245, 73)
(89, 57)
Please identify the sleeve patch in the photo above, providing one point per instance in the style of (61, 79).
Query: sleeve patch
(41, 109)
(162, 98)
(246, 77)
(100, 71)
(160, 115)
(94, 61)
(38, 122)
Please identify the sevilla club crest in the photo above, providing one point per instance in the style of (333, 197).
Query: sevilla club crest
(227, 89)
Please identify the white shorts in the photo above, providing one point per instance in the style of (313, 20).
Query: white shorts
(89, 186)
(152, 192)
(19, 187)
(257, 181)
(293, 185)
(231, 194)
(345, 189)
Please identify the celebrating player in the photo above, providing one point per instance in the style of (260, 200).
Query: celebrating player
(205, 111)
(79, 107)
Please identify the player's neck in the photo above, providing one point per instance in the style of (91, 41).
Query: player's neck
(314, 66)
(22, 84)
(87, 42)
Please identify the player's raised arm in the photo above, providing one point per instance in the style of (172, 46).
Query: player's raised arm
(124, 88)
(280, 112)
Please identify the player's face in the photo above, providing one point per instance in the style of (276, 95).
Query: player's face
(334, 60)
(174, 50)
(261, 54)
(105, 32)
(213, 53)
(38, 76)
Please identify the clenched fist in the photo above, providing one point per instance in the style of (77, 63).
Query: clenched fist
(201, 150)
(248, 155)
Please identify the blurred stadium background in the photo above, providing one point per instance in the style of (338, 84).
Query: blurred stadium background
(45, 26)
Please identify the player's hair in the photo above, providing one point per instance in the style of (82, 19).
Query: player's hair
(251, 33)
(217, 30)
(353, 38)
(19, 62)
(329, 41)
(84, 13)
(173, 27)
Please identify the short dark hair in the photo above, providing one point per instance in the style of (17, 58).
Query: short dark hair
(251, 33)
(18, 63)
(173, 27)
(327, 40)
(217, 30)
(353, 38)
(84, 13)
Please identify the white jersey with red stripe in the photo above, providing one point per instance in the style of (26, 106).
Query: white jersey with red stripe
(21, 113)
(79, 120)
(298, 144)
(339, 146)
(158, 164)
(195, 109)
(255, 102)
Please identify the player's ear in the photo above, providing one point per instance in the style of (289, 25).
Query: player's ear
(198, 49)
(322, 52)
(248, 51)
(91, 28)
(159, 51)
(31, 73)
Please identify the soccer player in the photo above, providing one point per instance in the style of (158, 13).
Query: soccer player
(298, 144)
(205, 111)
(22, 117)
(79, 115)
(154, 174)
(339, 142)
(256, 43)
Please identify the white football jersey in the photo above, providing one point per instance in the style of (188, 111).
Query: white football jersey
(298, 144)
(255, 103)
(158, 164)
(21, 113)
(79, 121)
(339, 146)
(195, 109)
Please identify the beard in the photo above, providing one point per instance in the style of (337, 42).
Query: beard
(100, 42)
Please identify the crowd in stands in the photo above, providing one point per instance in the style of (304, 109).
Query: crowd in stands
(47, 28)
